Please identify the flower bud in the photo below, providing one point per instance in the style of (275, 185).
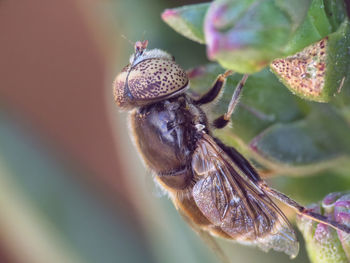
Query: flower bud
(246, 35)
(325, 244)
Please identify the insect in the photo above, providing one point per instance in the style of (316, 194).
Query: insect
(212, 185)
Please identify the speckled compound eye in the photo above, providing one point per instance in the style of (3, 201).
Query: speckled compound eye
(149, 81)
(120, 90)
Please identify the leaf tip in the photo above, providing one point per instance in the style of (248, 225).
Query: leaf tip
(168, 14)
(196, 72)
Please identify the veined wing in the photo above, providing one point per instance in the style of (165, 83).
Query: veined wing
(236, 204)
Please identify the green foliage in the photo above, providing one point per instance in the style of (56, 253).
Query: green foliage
(269, 116)
(246, 36)
(187, 20)
(337, 79)
(320, 71)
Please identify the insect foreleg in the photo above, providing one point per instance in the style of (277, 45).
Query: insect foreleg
(215, 90)
(223, 120)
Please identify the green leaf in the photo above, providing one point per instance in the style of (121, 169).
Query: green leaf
(305, 35)
(320, 71)
(337, 79)
(264, 102)
(246, 35)
(323, 18)
(317, 142)
(336, 12)
(319, 17)
(276, 128)
(187, 20)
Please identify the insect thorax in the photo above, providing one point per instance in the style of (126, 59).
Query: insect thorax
(166, 133)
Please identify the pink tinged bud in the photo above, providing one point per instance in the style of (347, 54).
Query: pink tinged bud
(330, 199)
(344, 238)
(214, 28)
(213, 46)
(342, 215)
(196, 72)
(323, 242)
(168, 14)
(322, 233)
(213, 22)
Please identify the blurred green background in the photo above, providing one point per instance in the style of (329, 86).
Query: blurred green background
(72, 187)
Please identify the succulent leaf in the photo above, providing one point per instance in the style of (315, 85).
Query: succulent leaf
(336, 12)
(306, 142)
(323, 243)
(187, 20)
(246, 35)
(321, 70)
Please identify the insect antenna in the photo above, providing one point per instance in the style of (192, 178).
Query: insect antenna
(301, 210)
(139, 47)
(127, 39)
(143, 35)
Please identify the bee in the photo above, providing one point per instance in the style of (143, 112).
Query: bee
(216, 190)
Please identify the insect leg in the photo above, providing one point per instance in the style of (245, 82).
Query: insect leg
(214, 91)
(304, 211)
(223, 120)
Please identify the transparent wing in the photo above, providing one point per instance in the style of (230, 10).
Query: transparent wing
(236, 204)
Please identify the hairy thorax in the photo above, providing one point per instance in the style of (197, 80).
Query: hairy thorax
(166, 135)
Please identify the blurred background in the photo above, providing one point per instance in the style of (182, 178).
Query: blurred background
(72, 187)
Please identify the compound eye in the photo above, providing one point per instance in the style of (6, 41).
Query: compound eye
(119, 87)
(155, 79)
